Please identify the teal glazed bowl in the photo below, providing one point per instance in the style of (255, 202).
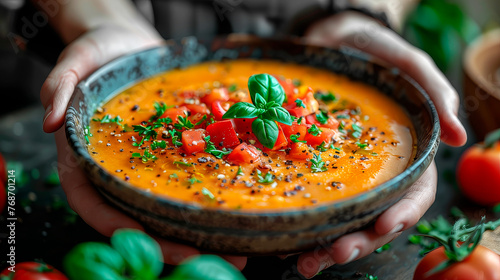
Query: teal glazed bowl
(243, 232)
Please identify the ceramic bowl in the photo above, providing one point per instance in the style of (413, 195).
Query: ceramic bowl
(482, 83)
(242, 232)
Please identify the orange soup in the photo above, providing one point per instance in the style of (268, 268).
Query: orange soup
(252, 135)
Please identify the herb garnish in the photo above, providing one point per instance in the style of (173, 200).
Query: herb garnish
(183, 163)
(322, 117)
(322, 147)
(159, 122)
(211, 149)
(232, 88)
(314, 130)
(158, 144)
(146, 157)
(146, 131)
(176, 135)
(193, 180)
(317, 164)
(160, 109)
(357, 130)
(240, 171)
(207, 193)
(184, 122)
(299, 121)
(325, 97)
(362, 145)
(266, 179)
(295, 139)
(108, 119)
(267, 97)
(87, 133)
(300, 103)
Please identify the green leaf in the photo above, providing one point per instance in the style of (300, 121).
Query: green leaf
(260, 102)
(94, 260)
(142, 254)
(206, 267)
(266, 86)
(206, 193)
(278, 114)
(300, 103)
(266, 131)
(492, 138)
(243, 110)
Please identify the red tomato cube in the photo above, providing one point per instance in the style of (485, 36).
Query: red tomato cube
(300, 150)
(192, 141)
(222, 134)
(244, 153)
(326, 135)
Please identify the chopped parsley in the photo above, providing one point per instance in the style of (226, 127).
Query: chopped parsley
(300, 103)
(207, 193)
(326, 97)
(158, 144)
(108, 119)
(159, 122)
(362, 145)
(211, 149)
(322, 147)
(184, 122)
(297, 82)
(232, 88)
(87, 134)
(146, 157)
(240, 171)
(322, 117)
(342, 116)
(160, 110)
(314, 130)
(266, 179)
(295, 139)
(146, 131)
(193, 180)
(299, 121)
(317, 164)
(183, 163)
(176, 135)
(357, 130)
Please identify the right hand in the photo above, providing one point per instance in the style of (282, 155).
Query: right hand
(80, 58)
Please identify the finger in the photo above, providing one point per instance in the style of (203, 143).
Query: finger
(408, 211)
(367, 35)
(77, 61)
(175, 253)
(347, 248)
(238, 261)
(83, 198)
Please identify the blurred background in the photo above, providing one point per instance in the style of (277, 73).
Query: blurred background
(48, 228)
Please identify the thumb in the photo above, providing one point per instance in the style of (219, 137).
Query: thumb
(81, 58)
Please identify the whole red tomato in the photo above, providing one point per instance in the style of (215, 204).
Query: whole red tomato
(3, 170)
(33, 271)
(478, 174)
(481, 264)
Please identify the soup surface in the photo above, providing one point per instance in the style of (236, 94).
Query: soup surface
(170, 135)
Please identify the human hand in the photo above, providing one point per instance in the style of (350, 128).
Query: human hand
(78, 60)
(361, 32)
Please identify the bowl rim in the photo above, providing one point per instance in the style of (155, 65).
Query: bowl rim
(423, 160)
(488, 40)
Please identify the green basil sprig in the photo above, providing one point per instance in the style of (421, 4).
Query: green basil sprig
(267, 96)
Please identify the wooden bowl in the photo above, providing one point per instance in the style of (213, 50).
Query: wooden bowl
(244, 232)
(482, 83)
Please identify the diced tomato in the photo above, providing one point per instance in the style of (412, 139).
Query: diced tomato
(296, 111)
(192, 141)
(197, 108)
(307, 97)
(288, 86)
(217, 94)
(243, 126)
(325, 135)
(281, 141)
(222, 134)
(196, 118)
(218, 110)
(331, 122)
(299, 129)
(173, 113)
(244, 153)
(300, 150)
(188, 94)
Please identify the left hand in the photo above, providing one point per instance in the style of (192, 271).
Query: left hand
(364, 33)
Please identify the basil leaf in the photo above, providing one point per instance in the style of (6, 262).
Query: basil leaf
(92, 260)
(242, 110)
(267, 86)
(266, 131)
(278, 114)
(260, 102)
(142, 253)
(205, 267)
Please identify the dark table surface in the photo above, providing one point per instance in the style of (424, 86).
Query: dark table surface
(47, 228)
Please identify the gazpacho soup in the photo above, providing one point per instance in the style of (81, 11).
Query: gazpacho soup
(252, 135)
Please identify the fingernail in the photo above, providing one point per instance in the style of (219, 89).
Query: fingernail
(354, 255)
(322, 266)
(48, 111)
(397, 228)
